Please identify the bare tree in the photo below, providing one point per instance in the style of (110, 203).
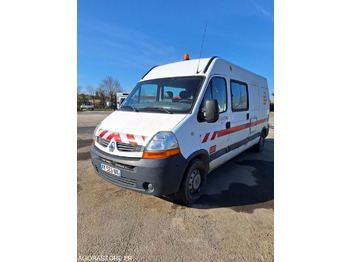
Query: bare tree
(111, 87)
(100, 92)
(79, 102)
(83, 98)
(79, 89)
(92, 92)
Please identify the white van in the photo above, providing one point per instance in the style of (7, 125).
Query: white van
(180, 122)
(120, 99)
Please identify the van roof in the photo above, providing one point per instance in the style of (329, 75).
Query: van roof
(182, 68)
(214, 65)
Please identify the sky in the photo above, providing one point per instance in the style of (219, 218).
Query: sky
(124, 39)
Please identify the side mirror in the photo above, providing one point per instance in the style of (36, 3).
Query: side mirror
(211, 111)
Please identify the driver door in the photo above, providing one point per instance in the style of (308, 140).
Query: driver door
(212, 137)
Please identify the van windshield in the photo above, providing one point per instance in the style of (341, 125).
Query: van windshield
(174, 95)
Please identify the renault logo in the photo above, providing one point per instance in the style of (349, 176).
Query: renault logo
(111, 147)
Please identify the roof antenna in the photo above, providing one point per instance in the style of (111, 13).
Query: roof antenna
(200, 54)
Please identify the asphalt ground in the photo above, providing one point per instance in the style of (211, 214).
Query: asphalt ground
(233, 220)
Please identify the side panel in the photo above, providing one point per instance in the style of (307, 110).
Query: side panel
(239, 129)
(254, 98)
(254, 108)
(253, 128)
(188, 135)
(246, 123)
(264, 99)
(236, 130)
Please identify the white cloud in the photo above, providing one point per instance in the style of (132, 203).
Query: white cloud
(261, 9)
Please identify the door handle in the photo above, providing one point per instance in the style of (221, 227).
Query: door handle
(247, 115)
(228, 125)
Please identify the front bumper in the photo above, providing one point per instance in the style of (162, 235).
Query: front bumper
(165, 174)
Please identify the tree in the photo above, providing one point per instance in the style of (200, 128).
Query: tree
(92, 92)
(101, 94)
(111, 87)
(83, 98)
(79, 98)
(79, 89)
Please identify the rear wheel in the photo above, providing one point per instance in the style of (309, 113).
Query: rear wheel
(193, 182)
(260, 145)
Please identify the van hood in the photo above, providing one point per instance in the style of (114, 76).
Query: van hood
(140, 124)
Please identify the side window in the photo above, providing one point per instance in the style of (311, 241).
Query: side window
(244, 97)
(207, 96)
(239, 96)
(216, 90)
(235, 95)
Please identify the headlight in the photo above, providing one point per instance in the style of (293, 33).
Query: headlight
(95, 131)
(162, 141)
(163, 144)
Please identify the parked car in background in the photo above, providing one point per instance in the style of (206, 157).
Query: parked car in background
(87, 105)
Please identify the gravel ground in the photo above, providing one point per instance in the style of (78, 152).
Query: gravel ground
(233, 221)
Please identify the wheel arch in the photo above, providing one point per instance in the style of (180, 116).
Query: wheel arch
(201, 155)
(264, 132)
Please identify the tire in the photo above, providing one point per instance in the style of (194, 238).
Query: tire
(193, 182)
(260, 145)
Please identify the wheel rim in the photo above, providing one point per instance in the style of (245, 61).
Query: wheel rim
(195, 181)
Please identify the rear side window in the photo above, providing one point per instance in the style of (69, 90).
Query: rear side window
(216, 90)
(239, 96)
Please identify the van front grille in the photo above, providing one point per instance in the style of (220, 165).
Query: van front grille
(124, 147)
(103, 142)
(119, 181)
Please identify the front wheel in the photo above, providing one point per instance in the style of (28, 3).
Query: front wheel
(193, 182)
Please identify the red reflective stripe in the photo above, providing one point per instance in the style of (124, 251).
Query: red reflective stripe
(110, 136)
(103, 133)
(225, 132)
(131, 139)
(261, 121)
(231, 130)
(214, 135)
(206, 137)
(117, 137)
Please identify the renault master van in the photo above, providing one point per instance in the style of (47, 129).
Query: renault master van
(181, 121)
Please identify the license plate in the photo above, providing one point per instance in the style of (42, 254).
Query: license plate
(109, 169)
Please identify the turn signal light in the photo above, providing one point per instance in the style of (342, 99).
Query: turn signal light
(161, 154)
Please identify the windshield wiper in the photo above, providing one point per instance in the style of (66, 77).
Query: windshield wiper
(156, 109)
(133, 108)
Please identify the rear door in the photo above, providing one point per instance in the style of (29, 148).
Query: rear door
(254, 98)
